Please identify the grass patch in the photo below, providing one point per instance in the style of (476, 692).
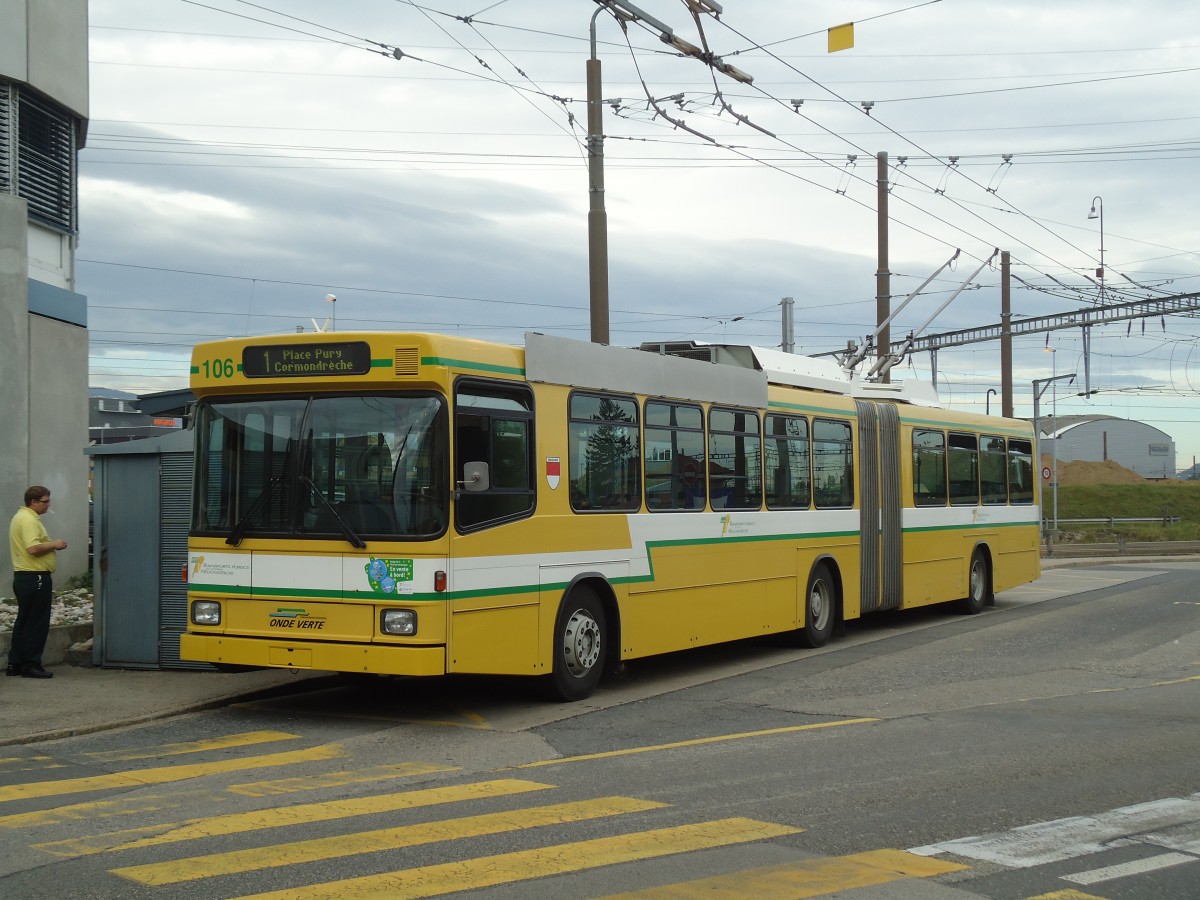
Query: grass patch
(1153, 499)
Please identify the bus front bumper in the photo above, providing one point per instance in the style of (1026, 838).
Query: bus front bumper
(379, 659)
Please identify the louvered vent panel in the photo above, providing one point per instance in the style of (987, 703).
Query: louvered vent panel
(407, 361)
(8, 140)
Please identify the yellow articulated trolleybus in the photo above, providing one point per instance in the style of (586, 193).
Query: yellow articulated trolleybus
(415, 504)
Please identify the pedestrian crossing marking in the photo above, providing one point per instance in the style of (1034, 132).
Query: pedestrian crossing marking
(1062, 839)
(164, 774)
(1068, 894)
(130, 806)
(312, 850)
(806, 878)
(278, 817)
(524, 865)
(1135, 867)
(247, 739)
(338, 779)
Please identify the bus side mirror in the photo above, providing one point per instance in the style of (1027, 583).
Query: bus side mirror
(475, 477)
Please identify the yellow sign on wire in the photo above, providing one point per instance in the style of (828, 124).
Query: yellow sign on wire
(841, 37)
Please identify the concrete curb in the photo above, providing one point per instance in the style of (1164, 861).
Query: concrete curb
(60, 639)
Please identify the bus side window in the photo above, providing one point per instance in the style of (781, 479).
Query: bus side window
(1020, 471)
(993, 478)
(605, 453)
(833, 464)
(963, 466)
(674, 456)
(929, 467)
(788, 482)
(734, 459)
(493, 424)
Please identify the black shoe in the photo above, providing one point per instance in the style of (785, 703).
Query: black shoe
(12, 670)
(36, 672)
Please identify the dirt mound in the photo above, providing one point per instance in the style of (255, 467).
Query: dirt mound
(1083, 472)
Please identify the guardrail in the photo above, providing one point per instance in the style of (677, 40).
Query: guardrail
(1121, 548)
(1119, 520)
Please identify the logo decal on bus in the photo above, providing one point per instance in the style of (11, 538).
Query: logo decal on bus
(553, 471)
(297, 619)
(730, 527)
(390, 576)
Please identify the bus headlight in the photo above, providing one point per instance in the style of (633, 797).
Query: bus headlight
(398, 621)
(206, 612)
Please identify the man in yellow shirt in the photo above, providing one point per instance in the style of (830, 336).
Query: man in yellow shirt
(33, 561)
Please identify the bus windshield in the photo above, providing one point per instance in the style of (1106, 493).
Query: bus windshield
(322, 467)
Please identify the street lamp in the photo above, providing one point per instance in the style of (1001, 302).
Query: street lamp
(1098, 204)
(1039, 388)
(624, 11)
(987, 408)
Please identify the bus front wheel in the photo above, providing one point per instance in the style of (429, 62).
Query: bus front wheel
(580, 644)
(820, 608)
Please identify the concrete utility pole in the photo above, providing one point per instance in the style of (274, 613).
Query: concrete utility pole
(597, 214)
(789, 325)
(1006, 373)
(883, 277)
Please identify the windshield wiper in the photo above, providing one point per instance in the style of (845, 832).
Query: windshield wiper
(351, 536)
(264, 496)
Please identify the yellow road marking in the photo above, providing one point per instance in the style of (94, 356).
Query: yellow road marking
(488, 871)
(382, 839)
(102, 809)
(302, 814)
(1066, 895)
(807, 878)
(1177, 681)
(695, 742)
(146, 803)
(337, 779)
(142, 777)
(29, 763)
(246, 739)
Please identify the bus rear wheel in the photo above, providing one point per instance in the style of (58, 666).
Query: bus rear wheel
(979, 586)
(580, 645)
(820, 608)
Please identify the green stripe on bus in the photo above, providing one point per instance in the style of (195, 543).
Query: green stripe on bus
(471, 364)
(805, 407)
(651, 548)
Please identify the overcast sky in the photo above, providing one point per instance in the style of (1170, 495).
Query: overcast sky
(244, 160)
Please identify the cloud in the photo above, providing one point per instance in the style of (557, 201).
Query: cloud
(236, 172)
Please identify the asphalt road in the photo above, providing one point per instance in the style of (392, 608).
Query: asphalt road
(1050, 744)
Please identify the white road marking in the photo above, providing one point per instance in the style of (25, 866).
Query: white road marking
(1136, 867)
(1063, 839)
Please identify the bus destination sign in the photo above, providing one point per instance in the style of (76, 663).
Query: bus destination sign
(301, 360)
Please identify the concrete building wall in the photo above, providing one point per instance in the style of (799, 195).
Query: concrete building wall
(43, 395)
(58, 436)
(14, 365)
(44, 43)
(43, 321)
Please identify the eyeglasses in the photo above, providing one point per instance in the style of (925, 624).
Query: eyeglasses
(42, 500)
